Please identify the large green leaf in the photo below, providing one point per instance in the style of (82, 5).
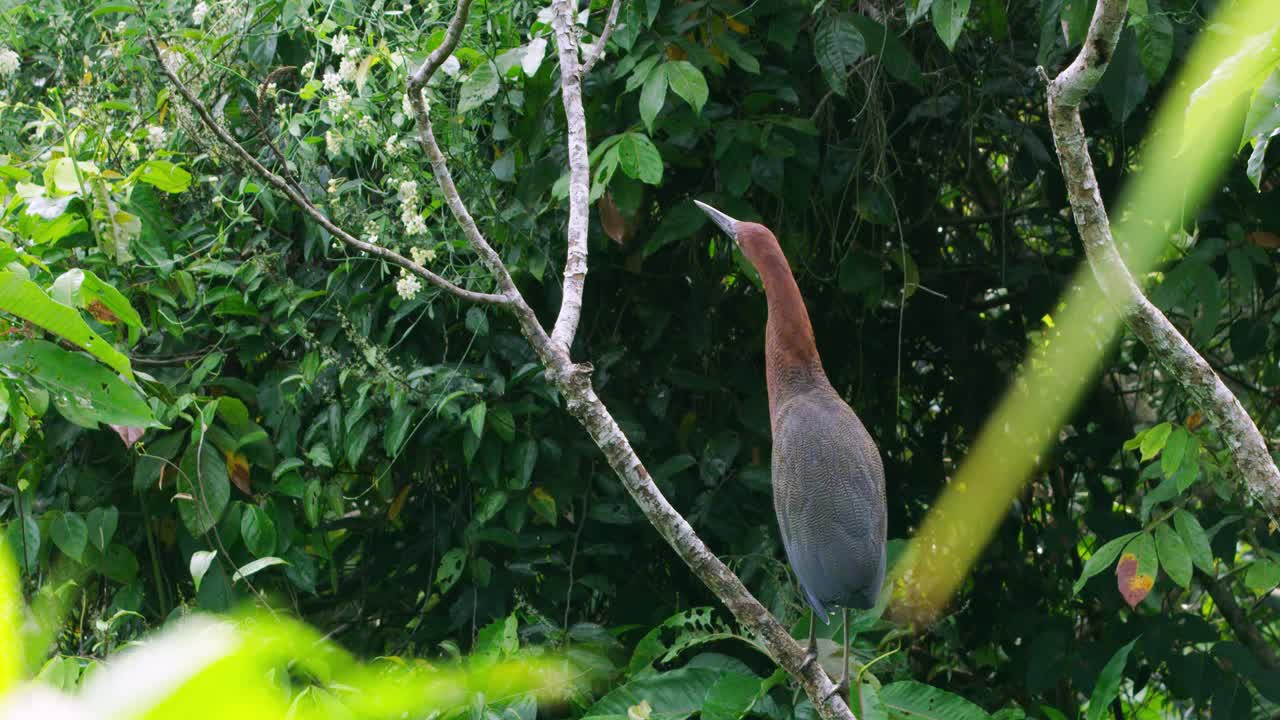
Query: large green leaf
(652, 95)
(479, 87)
(677, 693)
(81, 389)
(1102, 559)
(1174, 557)
(837, 45)
(203, 479)
(164, 175)
(84, 290)
(687, 82)
(23, 298)
(894, 56)
(1108, 685)
(639, 158)
(911, 699)
(731, 697)
(1194, 538)
(948, 20)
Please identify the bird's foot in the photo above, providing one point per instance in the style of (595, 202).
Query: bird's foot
(810, 655)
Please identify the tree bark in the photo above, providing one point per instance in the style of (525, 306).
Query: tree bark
(1248, 450)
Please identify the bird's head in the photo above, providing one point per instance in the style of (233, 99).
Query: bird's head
(752, 238)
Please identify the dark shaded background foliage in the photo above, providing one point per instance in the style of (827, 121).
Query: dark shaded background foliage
(920, 204)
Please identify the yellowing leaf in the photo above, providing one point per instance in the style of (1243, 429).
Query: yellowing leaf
(238, 471)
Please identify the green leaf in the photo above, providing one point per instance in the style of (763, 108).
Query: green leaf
(1155, 45)
(70, 534)
(915, 699)
(1108, 685)
(202, 477)
(479, 87)
(1102, 559)
(948, 20)
(687, 82)
(893, 55)
(1257, 162)
(253, 567)
(475, 416)
(451, 566)
(653, 95)
(1173, 555)
(1263, 576)
(164, 175)
(200, 562)
(639, 158)
(730, 697)
(258, 531)
(1175, 448)
(677, 693)
(23, 298)
(23, 537)
(1196, 542)
(1153, 442)
(837, 45)
(84, 290)
(101, 526)
(81, 389)
(1124, 84)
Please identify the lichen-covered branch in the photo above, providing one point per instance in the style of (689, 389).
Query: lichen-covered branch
(573, 381)
(575, 266)
(305, 204)
(1195, 376)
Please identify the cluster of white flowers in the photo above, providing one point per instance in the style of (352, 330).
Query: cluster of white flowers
(340, 44)
(332, 143)
(451, 66)
(407, 286)
(334, 182)
(8, 62)
(393, 145)
(371, 232)
(414, 223)
(198, 12)
(156, 137)
(121, 27)
(421, 255)
(347, 69)
(308, 70)
(332, 81)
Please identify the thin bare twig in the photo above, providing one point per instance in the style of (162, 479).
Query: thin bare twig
(594, 51)
(1248, 450)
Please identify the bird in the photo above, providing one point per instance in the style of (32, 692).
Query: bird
(828, 478)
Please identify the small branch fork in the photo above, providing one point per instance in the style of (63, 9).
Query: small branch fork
(573, 381)
(1179, 358)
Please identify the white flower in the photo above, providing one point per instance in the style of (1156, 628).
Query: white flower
(340, 44)
(308, 70)
(413, 222)
(408, 192)
(332, 81)
(339, 100)
(8, 62)
(121, 27)
(451, 66)
(156, 137)
(332, 143)
(347, 69)
(422, 256)
(392, 145)
(198, 12)
(407, 286)
(371, 232)
(333, 185)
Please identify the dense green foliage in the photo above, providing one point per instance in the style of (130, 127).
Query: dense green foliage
(323, 434)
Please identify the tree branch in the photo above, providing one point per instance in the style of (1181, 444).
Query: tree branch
(575, 266)
(305, 203)
(593, 52)
(573, 381)
(1167, 345)
(1244, 628)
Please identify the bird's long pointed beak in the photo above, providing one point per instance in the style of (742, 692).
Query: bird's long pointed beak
(726, 223)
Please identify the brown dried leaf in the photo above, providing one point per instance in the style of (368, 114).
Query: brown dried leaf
(1133, 585)
(611, 219)
(1194, 421)
(1265, 239)
(129, 435)
(101, 312)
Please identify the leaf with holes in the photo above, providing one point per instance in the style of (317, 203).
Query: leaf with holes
(450, 569)
(23, 298)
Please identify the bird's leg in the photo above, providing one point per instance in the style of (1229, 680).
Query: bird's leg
(843, 687)
(811, 653)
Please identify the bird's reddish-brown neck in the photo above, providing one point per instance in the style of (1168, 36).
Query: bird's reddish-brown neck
(792, 364)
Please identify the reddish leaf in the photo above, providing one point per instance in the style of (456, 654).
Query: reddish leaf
(238, 471)
(612, 220)
(1265, 239)
(1133, 585)
(129, 435)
